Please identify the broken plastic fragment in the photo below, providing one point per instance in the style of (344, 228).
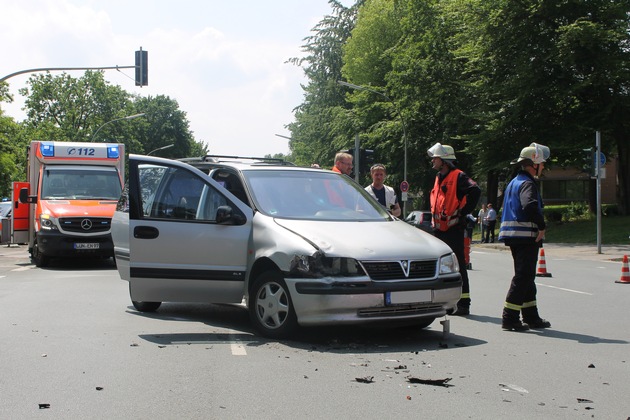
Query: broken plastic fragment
(365, 379)
(516, 388)
(44, 405)
(435, 382)
(584, 400)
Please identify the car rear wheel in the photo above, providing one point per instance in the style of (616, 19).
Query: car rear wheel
(270, 306)
(146, 306)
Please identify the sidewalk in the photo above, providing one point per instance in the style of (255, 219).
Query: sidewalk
(572, 251)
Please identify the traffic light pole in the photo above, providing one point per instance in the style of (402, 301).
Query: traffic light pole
(64, 69)
(142, 65)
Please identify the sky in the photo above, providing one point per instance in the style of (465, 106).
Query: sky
(224, 62)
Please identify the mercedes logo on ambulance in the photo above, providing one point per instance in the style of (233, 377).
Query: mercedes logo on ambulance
(86, 224)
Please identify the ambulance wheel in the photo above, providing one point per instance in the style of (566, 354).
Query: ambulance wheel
(270, 306)
(146, 306)
(39, 259)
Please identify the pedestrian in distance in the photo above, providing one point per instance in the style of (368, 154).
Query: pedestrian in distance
(381, 192)
(343, 163)
(523, 230)
(490, 222)
(453, 197)
(481, 220)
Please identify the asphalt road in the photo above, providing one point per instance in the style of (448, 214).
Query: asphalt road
(71, 339)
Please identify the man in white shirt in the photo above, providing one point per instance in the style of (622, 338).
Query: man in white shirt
(381, 192)
(482, 223)
(491, 222)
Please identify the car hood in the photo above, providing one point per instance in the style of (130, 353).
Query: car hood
(378, 240)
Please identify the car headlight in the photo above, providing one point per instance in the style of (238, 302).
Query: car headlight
(47, 222)
(449, 264)
(318, 265)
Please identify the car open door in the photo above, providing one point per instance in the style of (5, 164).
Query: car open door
(188, 237)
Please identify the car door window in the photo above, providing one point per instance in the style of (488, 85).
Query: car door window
(177, 194)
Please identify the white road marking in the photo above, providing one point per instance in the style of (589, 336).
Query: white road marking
(238, 349)
(566, 290)
(21, 269)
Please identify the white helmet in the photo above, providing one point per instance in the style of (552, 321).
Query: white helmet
(535, 152)
(442, 151)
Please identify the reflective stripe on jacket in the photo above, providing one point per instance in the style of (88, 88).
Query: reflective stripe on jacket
(514, 222)
(445, 206)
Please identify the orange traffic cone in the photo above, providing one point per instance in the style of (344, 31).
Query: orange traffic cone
(625, 272)
(542, 265)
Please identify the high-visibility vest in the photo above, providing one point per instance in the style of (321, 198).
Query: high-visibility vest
(514, 224)
(445, 206)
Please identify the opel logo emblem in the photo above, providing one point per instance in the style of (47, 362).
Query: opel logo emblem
(86, 224)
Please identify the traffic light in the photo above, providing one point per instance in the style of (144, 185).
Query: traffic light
(142, 68)
(366, 160)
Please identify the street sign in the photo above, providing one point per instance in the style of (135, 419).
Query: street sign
(404, 186)
(602, 159)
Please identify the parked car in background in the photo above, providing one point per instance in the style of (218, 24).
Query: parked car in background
(420, 219)
(302, 246)
(5, 214)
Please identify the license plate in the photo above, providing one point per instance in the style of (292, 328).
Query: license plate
(84, 245)
(410, 296)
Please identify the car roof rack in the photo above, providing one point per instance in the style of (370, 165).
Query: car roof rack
(228, 158)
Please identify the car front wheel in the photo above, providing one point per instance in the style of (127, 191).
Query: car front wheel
(270, 306)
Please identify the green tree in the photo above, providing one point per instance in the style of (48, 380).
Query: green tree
(321, 128)
(164, 124)
(69, 109)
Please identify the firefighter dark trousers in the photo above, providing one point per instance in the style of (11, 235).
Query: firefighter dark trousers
(454, 238)
(522, 294)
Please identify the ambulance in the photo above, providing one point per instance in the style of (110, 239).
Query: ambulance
(71, 191)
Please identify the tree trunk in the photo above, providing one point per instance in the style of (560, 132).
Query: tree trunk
(493, 189)
(623, 175)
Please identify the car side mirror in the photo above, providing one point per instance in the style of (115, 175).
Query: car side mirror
(224, 215)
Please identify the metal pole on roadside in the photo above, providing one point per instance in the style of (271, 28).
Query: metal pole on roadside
(357, 157)
(598, 147)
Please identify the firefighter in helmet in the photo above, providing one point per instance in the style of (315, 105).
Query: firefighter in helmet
(523, 230)
(453, 197)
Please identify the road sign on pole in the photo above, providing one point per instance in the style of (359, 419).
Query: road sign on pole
(404, 186)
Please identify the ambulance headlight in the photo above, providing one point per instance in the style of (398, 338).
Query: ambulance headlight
(47, 222)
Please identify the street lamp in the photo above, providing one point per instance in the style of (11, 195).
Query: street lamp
(402, 121)
(161, 148)
(129, 117)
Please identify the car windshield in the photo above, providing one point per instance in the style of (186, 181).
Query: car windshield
(5, 208)
(85, 183)
(312, 195)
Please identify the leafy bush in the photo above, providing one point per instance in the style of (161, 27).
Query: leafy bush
(577, 211)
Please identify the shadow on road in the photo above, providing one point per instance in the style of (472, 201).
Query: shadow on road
(329, 339)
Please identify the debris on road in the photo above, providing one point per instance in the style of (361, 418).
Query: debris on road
(584, 401)
(44, 405)
(510, 387)
(365, 379)
(435, 382)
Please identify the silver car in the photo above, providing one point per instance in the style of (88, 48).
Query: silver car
(302, 246)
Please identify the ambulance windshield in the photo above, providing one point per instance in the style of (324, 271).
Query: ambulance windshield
(80, 183)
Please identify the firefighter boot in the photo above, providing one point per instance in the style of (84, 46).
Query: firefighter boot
(463, 307)
(511, 321)
(531, 318)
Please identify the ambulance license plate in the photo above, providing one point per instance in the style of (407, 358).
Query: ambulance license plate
(410, 296)
(86, 245)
